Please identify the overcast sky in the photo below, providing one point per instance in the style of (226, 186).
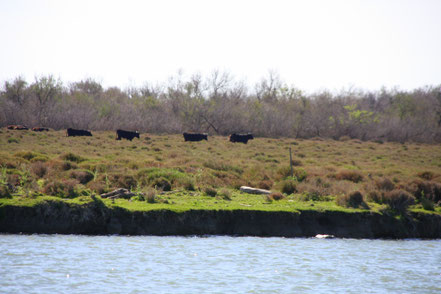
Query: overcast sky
(311, 44)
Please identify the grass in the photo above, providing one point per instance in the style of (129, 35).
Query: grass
(329, 169)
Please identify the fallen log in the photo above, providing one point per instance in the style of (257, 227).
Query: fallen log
(118, 193)
(251, 190)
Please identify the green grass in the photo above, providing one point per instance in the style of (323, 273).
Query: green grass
(216, 163)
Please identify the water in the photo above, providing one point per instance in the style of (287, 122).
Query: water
(114, 264)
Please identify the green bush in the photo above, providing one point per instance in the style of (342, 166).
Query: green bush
(161, 183)
(427, 204)
(64, 188)
(210, 191)
(5, 191)
(398, 200)
(72, 157)
(349, 175)
(385, 184)
(83, 176)
(353, 199)
(289, 186)
(13, 140)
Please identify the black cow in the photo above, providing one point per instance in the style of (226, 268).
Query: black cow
(39, 129)
(126, 135)
(195, 137)
(242, 138)
(73, 133)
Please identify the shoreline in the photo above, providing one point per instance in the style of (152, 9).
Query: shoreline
(95, 218)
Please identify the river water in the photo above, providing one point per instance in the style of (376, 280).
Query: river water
(118, 264)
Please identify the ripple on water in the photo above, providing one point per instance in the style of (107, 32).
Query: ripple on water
(115, 264)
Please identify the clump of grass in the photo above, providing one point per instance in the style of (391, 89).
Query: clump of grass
(83, 176)
(349, 175)
(5, 191)
(225, 194)
(385, 184)
(72, 157)
(150, 196)
(188, 184)
(354, 199)
(288, 186)
(276, 196)
(210, 191)
(39, 169)
(28, 155)
(221, 166)
(13, 140)
(426, 175)
(398, 200)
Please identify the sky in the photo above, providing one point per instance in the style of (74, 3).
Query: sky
(312, 45)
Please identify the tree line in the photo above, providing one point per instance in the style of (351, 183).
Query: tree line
(221, 105)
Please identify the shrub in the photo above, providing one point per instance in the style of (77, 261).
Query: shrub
(300, 174)
(82, 176)
(289, 186)
(5, 191)
(427, 204)
(188, 184)
(265, 184)
(385, 184)
(28, 155)
(276, 196)
(64, 188)
(13, 140)
(97, 186)
(124, 181)
(39, 169)
(349, 175)
(353, 199)
(285, 172)
(421, 189)
(210, 191)
(375, 196)
(426, 175)
(66, 165)
(72, 157)
(398, 200)
(162, 184)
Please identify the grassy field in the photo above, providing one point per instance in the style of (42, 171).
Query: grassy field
(166, 172)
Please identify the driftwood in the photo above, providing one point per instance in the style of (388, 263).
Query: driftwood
(118, 193)
(254, 190)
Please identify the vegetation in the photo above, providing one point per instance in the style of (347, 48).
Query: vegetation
(165, 172)
(220, 105)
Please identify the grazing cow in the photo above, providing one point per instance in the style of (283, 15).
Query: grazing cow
(242, 138)
(126, 135)
(38, 129)
(73, 133)
(195, 137)
(17, 127)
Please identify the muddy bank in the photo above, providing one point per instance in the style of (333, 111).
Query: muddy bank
(97, 219)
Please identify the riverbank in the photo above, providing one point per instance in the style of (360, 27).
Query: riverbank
(97, 218)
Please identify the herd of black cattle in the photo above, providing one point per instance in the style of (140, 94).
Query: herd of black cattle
(128, 135)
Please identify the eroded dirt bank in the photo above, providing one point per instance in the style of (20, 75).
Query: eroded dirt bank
(97, 219)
